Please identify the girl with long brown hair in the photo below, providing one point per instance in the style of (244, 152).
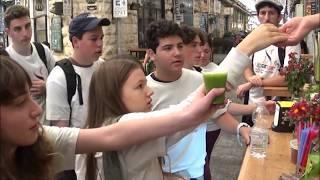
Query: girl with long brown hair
(30, 151)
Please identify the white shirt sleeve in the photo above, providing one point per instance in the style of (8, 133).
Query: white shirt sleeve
(64, 141)
(57, 106)
(234, 64)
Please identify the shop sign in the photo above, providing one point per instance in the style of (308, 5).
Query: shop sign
(39, 7)
(120, 8)
(178, 11)
(91, 5)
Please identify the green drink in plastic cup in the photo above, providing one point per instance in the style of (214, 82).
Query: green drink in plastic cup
(215, 80)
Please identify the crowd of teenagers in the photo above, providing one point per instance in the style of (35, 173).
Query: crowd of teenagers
(87, 118)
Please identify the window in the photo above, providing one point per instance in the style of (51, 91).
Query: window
(40, 29)
(150, 11)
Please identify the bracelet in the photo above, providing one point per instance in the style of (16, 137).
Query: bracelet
(240, 125)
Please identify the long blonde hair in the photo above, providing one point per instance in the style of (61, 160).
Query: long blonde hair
(29, 162)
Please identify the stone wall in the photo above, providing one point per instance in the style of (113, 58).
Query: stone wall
(128, 28)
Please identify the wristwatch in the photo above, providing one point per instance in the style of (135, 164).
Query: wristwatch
(240, 125)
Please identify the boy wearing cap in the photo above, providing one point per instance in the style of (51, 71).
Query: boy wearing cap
(18, 27)
(86, 36)
(267, 62)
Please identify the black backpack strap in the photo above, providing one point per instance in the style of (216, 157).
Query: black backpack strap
(252, 61)
(41, 53)
(281, 54)
(71, 78)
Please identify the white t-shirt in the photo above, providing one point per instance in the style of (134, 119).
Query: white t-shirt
(35, 67)
(64, 141)
(138, 161)
(209, 67)
(189, 153)
(57, 98)
(266, 64)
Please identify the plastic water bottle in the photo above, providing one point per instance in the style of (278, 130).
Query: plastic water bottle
(259, 132)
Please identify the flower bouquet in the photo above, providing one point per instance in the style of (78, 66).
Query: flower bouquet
(305, 114)
(297, 73)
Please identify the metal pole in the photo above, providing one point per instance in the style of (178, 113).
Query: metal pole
(118, 31)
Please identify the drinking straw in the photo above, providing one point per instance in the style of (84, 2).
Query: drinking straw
(302, 143)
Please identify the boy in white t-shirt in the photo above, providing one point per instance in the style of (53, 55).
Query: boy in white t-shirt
(171, 84)
(86, 36)
(18, 27)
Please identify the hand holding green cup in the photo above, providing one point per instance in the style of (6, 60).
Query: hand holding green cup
(215, 80)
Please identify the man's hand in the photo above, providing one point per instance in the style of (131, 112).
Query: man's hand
(245, 134)
(243, 88)
(262, 37)
(256, 80)
(38, 87)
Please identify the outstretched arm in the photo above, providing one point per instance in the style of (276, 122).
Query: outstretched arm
(238, 59)
(298, 27)
(262, 37)
(132, 131)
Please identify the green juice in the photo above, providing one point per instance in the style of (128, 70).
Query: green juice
(215, 80)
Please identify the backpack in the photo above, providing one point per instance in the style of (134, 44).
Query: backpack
(71, 78)
(41, 52)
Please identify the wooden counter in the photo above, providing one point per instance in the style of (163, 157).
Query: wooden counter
(276, 91)
(274, 164)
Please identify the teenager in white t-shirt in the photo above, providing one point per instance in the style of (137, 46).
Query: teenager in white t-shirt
(86, 36)
(33, 151)
(18, 27)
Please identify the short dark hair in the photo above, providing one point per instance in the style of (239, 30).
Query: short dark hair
(189, 34)
(203, 37)
(161, 29)
(267, 4)
(15, 12)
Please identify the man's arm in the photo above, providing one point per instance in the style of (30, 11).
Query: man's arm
(274, 81)
(248, 73)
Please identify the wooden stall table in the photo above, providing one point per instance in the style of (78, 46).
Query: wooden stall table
(276, 91)
(277, 161)
(138, 52)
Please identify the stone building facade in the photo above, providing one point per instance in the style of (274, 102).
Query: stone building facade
(212, 16)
